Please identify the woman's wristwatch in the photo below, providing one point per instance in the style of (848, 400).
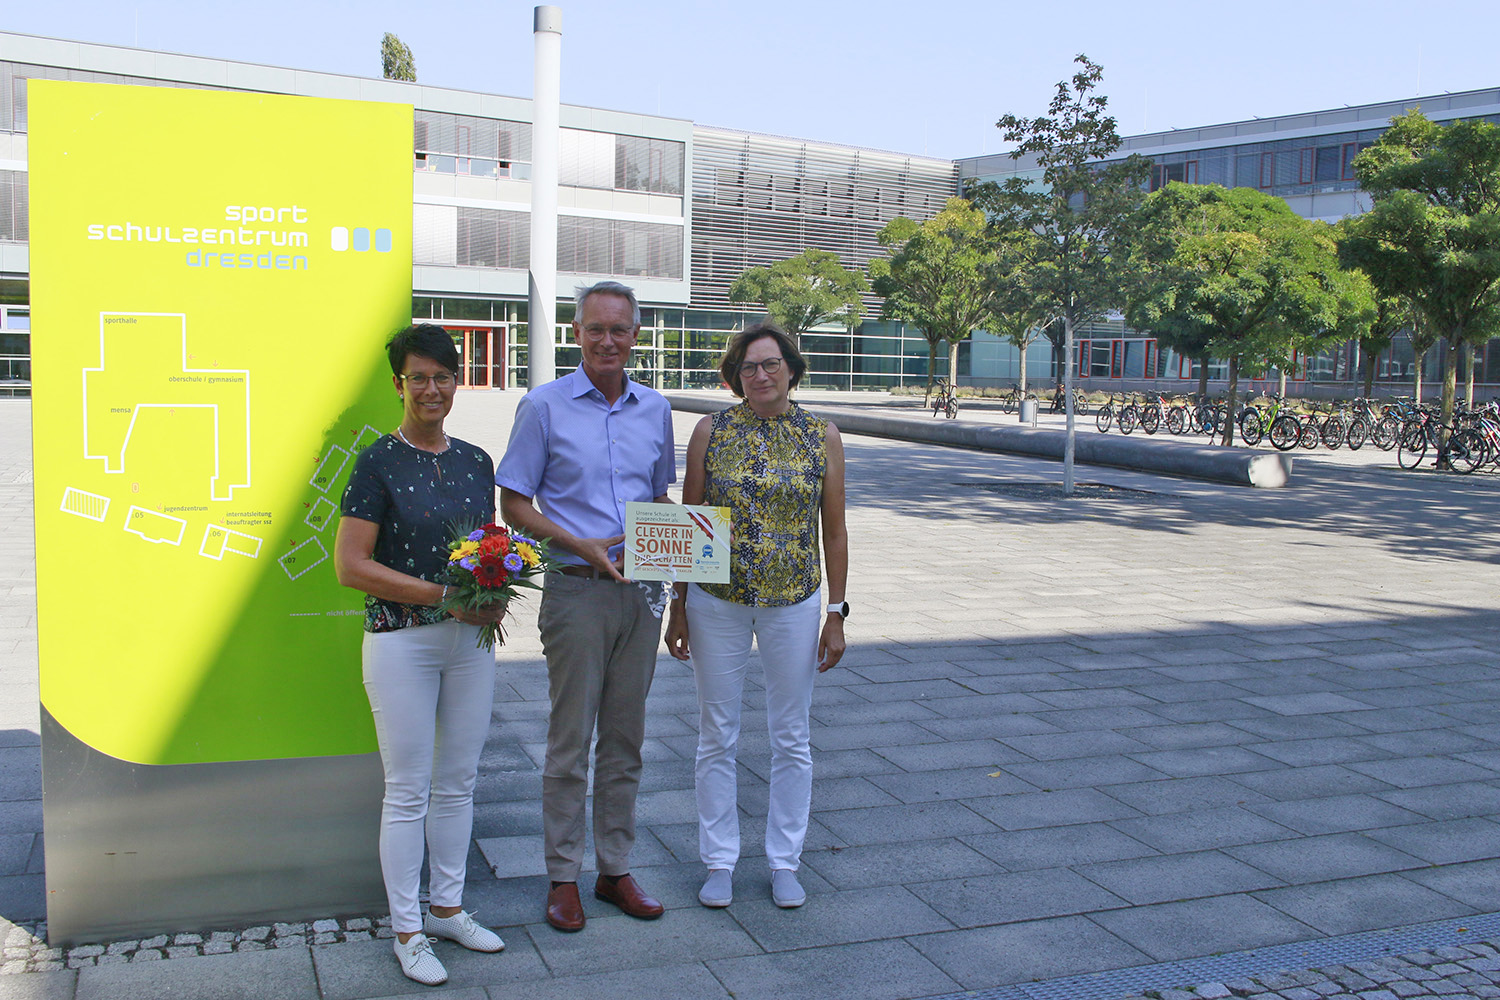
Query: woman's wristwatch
(841, 609)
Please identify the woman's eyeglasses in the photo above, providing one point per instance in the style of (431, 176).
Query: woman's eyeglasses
(443, 380)
(770, 366)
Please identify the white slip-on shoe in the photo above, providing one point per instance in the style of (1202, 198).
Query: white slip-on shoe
(718, 889)
(418, 962)
(786, 891)
(461, 929)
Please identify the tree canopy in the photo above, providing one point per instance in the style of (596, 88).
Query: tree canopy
(804, 291)
(396, 60)
(1237, 269)
(940, 277)
(1432, 235)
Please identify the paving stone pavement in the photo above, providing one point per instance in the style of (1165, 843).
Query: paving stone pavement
(1069, 737)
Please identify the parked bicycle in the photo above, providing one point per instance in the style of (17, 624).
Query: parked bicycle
(1011, 401)
(945, 399)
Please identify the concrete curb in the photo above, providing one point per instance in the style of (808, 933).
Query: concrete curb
(1235, 466)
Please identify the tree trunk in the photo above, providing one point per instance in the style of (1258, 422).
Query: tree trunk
(1450, 394)
(1203, 376)
(1471, 353)
(1368, 360)
(931, 370)
(953, 365)
(1281, 382)
(1068, 354)
(1234, 378)
(1416, 377)
(1022, 380)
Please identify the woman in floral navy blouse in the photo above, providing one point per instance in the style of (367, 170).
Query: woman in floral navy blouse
(780, 470)
(430, 688)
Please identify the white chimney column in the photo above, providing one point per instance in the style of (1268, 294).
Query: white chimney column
(545, 99)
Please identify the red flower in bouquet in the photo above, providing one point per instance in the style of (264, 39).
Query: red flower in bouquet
(491, 570)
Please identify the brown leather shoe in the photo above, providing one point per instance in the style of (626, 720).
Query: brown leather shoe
(628, 896)
(564, 908)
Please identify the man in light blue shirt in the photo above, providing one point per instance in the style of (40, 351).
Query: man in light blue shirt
(580, 449)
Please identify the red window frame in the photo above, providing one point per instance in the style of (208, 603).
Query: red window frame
(1305, 165)
(1350, 151)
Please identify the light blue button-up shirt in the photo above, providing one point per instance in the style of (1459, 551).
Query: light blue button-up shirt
(582, 459)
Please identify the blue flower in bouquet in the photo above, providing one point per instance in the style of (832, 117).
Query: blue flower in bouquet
(476, 535)
(514, 563)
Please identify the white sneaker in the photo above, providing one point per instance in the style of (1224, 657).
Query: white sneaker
(418, 962)
(461, 929)
(786, 891)
(718, 889)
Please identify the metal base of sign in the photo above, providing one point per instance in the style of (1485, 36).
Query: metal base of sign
(134, 849)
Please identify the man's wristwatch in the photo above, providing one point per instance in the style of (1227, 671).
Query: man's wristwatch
(841, 609)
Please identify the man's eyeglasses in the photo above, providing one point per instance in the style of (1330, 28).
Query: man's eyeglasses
(770, 366)
(597, 332)
(443, 380)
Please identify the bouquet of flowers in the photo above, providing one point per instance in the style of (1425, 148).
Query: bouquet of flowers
(489, 565)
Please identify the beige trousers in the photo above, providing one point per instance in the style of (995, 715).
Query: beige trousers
(600, 641)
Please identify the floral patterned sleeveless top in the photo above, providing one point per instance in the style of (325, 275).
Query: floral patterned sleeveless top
(769, 473)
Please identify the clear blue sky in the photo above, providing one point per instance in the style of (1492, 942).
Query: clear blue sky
(913, 77)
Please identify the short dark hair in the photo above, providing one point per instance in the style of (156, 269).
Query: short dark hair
(739, 343)
(425, 340)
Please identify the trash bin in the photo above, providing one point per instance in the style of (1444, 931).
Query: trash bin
(1028, 412)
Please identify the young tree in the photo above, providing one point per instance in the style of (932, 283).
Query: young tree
(1079, 213)
(396, 61)
(804, 291)
(1433, 233)
(1022, 323)
(1239, 269)
(940, 278)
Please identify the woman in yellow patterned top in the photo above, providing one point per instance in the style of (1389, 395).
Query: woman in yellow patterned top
(780, 471)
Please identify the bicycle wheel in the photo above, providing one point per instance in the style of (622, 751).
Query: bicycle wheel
(1466, 450)
(1150, 419)
(1357, 433)
(951, 409)
(1080, 404)
(1104, 418)
(1284, 432)
(1308, 433)
(1177, 420)
(1251, 428)
(1333, 433)
(1008, 403)
(1129, 417)
(1411, 445)
(1386, 432)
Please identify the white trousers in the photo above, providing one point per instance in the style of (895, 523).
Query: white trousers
(432, 693)
(719, 634)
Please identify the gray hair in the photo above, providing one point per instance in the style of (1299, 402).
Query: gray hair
(582, 293)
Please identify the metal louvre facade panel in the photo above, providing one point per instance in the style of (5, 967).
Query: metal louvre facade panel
(758, 199)
(466, 236)
(469, 135)
(618, 247)
(14, 225)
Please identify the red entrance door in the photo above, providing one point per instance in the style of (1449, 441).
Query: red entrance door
(482, 353)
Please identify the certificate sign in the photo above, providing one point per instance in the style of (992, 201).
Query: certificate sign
(678, 542)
